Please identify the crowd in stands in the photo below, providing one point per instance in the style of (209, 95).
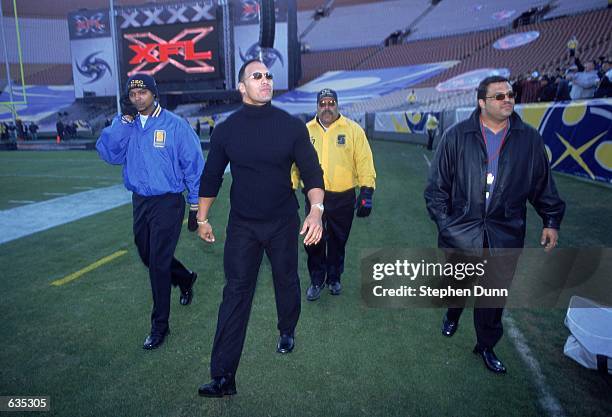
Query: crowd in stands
(577, 81)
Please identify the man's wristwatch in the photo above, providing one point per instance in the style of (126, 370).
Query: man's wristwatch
(320, 206)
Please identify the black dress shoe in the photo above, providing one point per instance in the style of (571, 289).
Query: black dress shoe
(335, 288)
(449, 327)
(286, 343)
(155, 340)
(314, 292)
(218, 387)
(187, 295)
(490, 360)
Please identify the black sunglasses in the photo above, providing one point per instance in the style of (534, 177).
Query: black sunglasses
(502, 96)
(257, 75)
(327, 103)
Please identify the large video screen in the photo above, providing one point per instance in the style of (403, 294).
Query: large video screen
(172, 53)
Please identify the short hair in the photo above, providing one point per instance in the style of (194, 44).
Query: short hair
(243, 67)
(484, 85)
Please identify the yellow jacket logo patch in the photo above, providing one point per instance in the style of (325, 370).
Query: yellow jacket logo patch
(159, 138)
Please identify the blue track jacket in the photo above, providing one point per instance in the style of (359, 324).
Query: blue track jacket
(163, 157)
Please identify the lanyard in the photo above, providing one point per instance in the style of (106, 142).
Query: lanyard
(484, 135)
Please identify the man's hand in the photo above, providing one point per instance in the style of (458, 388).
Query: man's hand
(313, 227)
(205, 232)
(192, 222)
(549, 238)
(128, 110)
(364, 202)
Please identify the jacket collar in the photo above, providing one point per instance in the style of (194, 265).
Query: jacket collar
(516, 123)
(340, 121)
(156, 111)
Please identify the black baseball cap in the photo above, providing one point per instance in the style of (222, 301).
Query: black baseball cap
(327, 92)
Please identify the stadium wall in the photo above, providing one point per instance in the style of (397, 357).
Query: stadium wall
(577, 135)
(43, 41)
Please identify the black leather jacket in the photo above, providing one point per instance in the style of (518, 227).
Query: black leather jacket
(455, 193)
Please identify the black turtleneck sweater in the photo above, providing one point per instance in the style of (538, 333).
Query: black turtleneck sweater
(261, 143)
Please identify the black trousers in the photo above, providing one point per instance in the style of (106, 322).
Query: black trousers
(499, 272)
(157, 227)
(326, 258)
(246, 242)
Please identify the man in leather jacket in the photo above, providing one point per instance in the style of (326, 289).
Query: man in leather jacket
(484, 171)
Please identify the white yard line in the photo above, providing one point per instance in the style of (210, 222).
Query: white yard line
(548, 401)
(427, 160)
(78, 177)
(21, 201)
(26, 220)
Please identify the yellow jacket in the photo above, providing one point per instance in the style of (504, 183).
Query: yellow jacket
(344, 154)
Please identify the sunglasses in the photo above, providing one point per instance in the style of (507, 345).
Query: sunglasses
(502, 96)
(328, 103)
(258, 75)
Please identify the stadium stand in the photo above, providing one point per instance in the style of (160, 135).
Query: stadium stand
(458, 16)
(317, 63)
(40, 74)
(475, 51)
(310, 5)
(363, 25)
(431, 50)
(569, 7)
(546, 52)
(428, 99)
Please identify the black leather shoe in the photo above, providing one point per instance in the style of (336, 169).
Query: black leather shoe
(187, 295)
(153, 341)
(286, 343)
(335, 288)
(449, 327)
(218, 387)
(490, 360)
(314, 292)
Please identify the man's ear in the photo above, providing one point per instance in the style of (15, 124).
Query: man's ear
(481, 103)
(241, 87)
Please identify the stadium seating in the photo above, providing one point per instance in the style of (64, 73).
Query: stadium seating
(570, 7)
(474, 50)
(317, 63)
(458, 16)
(545, 53)
(432, 50)
(363, 25)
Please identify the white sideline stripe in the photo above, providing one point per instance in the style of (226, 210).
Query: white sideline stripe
(26, 220)
(21, 201)
(427, 160)
(77, 177)
(548, 401)
(55, 194)
(85, 188)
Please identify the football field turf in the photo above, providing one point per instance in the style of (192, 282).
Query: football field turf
(81, 342)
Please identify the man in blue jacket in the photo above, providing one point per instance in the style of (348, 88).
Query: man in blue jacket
(161, 157)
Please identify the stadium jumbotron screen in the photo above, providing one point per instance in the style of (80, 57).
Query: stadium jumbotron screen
(172, 53)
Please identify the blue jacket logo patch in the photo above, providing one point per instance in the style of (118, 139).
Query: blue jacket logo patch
(159, 138)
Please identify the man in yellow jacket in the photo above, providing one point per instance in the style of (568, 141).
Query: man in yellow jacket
(346, 159)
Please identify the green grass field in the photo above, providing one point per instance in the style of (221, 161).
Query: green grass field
(80, 343)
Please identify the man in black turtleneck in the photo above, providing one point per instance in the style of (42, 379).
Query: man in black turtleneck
(261, 142)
